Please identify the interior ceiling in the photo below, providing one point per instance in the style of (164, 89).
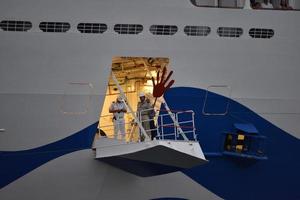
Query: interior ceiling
(136, 67)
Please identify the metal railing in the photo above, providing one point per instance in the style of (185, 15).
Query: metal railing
(107, 127)
(160, 124)
(184, 124)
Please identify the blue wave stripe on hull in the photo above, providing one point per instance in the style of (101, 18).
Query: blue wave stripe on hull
(16, 164)
(234, 178)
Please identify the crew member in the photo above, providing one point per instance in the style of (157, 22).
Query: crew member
(118, 109)
(145, 110)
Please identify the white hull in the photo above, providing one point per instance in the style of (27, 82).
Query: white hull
(36, 67)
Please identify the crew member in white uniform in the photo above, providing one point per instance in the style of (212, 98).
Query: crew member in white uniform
(144, 110)
(118, 109)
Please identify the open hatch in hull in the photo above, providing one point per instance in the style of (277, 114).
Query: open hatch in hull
(133, 75)
(169, 142)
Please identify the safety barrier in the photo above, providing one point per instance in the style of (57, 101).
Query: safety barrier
(159, 125)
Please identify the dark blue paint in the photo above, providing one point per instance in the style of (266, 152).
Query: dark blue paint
(236, 178)
(248, 128)
(140, 168)
(215, 103)
(14, 165)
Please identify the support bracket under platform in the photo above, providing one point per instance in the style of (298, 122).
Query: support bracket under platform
(150, 158)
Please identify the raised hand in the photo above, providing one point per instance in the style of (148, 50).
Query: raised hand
(162, 86)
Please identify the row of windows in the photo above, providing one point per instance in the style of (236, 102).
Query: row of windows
(98, 28)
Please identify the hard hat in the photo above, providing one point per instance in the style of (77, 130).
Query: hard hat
(141, 94)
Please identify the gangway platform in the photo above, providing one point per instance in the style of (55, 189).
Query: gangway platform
(150, 158)
(174, 148)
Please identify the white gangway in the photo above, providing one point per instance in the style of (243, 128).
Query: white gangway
(174, 148)
(169, 151)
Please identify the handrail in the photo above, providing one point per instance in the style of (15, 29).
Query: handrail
(156, 111)
(164, 125)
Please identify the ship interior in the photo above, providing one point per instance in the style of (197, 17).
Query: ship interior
(134, 75)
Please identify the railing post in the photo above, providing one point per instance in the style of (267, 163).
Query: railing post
(162, 128)
(174, 120)
(193, 121)
(175, 126)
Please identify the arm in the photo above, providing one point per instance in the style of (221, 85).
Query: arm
(123, 108)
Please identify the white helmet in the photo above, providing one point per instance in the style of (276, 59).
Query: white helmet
(141, 94)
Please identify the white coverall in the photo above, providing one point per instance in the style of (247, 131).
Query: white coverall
(144, 110)
(118, 119)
